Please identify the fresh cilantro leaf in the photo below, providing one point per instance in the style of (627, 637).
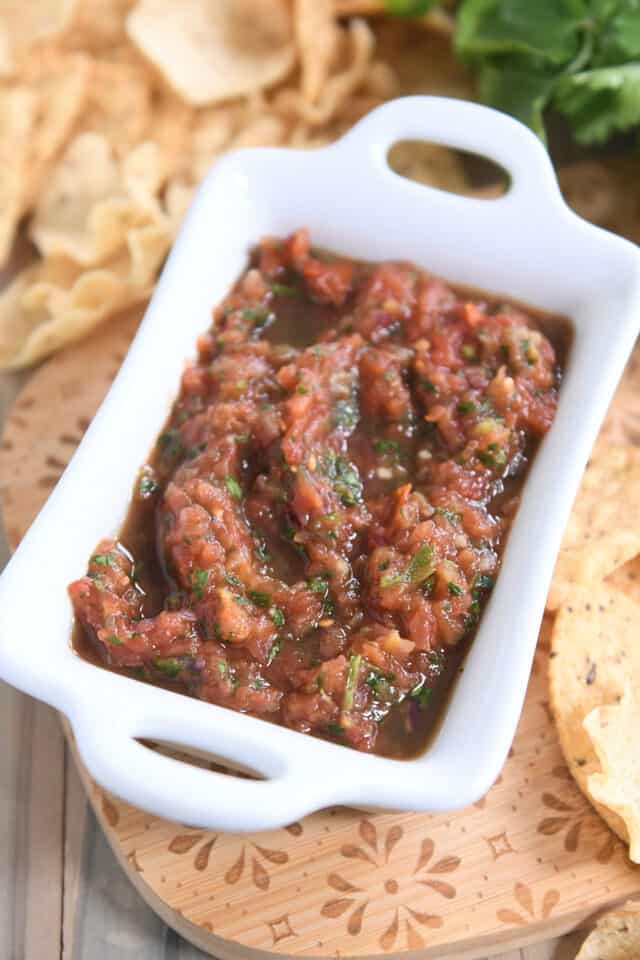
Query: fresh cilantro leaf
(421, 565)
(547, 30)
(102, 559)
(598, 103)
(199, 580)
(233, 487)
(259, 597)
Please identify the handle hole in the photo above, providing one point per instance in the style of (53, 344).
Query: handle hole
(201, 758)
(449, 169)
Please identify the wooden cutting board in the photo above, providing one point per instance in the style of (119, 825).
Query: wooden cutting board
(529, 861)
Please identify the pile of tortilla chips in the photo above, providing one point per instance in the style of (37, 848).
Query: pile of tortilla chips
(594, 665)
(112, 111)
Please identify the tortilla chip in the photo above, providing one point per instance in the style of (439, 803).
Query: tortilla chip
(55, 301)
(213, 50)
(212, 131)
(23, 24)
(97, 25)
(616, 936)
(580, 566)
(61, 82)
(119, 106)
(147, 247)
(92, 201)
(177, 199)
(359, 42)
(318, 40)
(614, 734)
(171, 127)
(595, 653)
(17, 113)
(626, 578)
(601, 534)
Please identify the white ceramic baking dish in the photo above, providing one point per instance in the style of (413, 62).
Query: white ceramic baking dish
(526, 245)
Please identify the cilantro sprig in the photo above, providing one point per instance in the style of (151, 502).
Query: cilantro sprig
(580, 57)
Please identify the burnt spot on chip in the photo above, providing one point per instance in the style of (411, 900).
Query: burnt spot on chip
(591, 674)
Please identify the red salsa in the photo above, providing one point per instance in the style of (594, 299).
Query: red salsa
(318, 528)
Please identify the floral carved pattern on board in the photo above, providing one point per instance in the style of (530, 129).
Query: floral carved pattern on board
(184, 843)
(404, 923)
(567, 821)
(524, 899)
(259, 861)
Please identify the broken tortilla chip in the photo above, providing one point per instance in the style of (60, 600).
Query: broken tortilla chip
(595, 653)
(601, 534)
(17, 112)
(92, 200)
(318, 40)
(119, 106)
(23, 24)
(616, 936)
(626, 578)
(213, 50)
(54, 301)
(96, 25)
(359, 41)
(61, 82)
(580, 566)
(614, 734)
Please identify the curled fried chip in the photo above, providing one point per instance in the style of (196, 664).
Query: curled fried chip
(97, 25)
(17, 112)
(119, 106)
(359, 43)
(61, 82)
(604, 528)
(92, 201)
(55, 301)
(614, 733)
(23, 24)
(595, 653)
(213, 50)
(318, 41)
(616, 936)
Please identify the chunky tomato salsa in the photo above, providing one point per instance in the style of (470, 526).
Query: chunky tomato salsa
(320, 524)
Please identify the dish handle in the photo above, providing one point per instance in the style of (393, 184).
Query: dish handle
(465, 126)
(283, 788)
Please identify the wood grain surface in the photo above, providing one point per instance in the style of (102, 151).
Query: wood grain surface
(528, 861)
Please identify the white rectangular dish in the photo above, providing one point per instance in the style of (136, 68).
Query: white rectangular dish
(526, 245)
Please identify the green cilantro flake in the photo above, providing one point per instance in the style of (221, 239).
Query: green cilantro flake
(260, 598)
(276, 646)
(277, 616)
(283, 290)
(233, 487)
(170, 666)
(421, 694)
(199, 580)
(102, 559)
(421, 565)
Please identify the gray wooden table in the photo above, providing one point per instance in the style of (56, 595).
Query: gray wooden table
(62, 894)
